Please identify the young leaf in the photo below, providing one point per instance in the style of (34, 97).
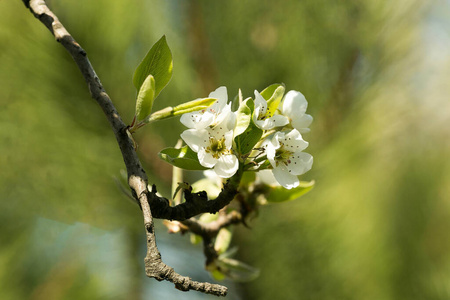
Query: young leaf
(280, 194)
(157, 62)
(183, 158)
(269, 92)
(246, 133)
(237, 270)
(194, 105)
(223, 240)
(273, 94)
(243, 116)
(145, 98)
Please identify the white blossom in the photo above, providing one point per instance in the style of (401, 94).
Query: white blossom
(284, 151)
(266, 177)
(212, 115)
(213, 147)
(263, 117)
(294, 107)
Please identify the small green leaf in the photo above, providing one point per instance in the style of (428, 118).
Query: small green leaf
(195, 239)
(183, 158)
(237, 270)
(217, 275)
(236, 102)
(269, 92)
(248, 139)
(273, 95)
(223, 240)
(157, 62)
(243, 116)
(194, 105)
(145, 98)
(246, 133)
(280, 194)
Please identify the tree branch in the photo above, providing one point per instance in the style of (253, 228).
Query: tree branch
(196, 203)
(209, 231)
(137, 179)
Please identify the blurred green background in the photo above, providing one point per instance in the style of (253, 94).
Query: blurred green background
(376, 75)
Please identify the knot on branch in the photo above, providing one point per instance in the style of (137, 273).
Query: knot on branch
(201, 196)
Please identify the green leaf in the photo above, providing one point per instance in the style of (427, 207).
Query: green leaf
(223, 240)
(280, 194)
(145, 98)
(217, 275)
(248, 139)
(157, 62)
(247, 134)
(195, 239)
(237, 270)
(183, 158)
(273, 95)
(194, 105)
(243, 116)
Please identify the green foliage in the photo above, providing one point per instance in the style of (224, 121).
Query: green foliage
(234, 269)
(194, 105)
(223, 240)
(183, 158)
(243, 116)
(158, 62)
(280, 194)
(273, 95)
(145, 98)
(247, 134)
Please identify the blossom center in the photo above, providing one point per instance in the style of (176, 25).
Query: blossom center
(217, 147)
(283, 156)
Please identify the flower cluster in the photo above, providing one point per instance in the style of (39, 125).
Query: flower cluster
(278, 121)
(211, 135)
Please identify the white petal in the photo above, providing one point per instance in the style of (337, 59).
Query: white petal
(219, 131)
(266, 177)
(226, 166)
(260, 102)
(285, 178)
(206, 120)
(229, 139)
(211, 175)
(222, 98)
(294, 142)
(195, 139)
(225, 117)
(302, 123)
(271, 148)
(255, 116)
(206, 159)
(272, 122)
(197, 120)
(300, 163)
(294, 104)
(190, 119)
(231, 120)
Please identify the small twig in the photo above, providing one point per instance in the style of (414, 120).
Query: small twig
(137, 179)
(211, 229)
